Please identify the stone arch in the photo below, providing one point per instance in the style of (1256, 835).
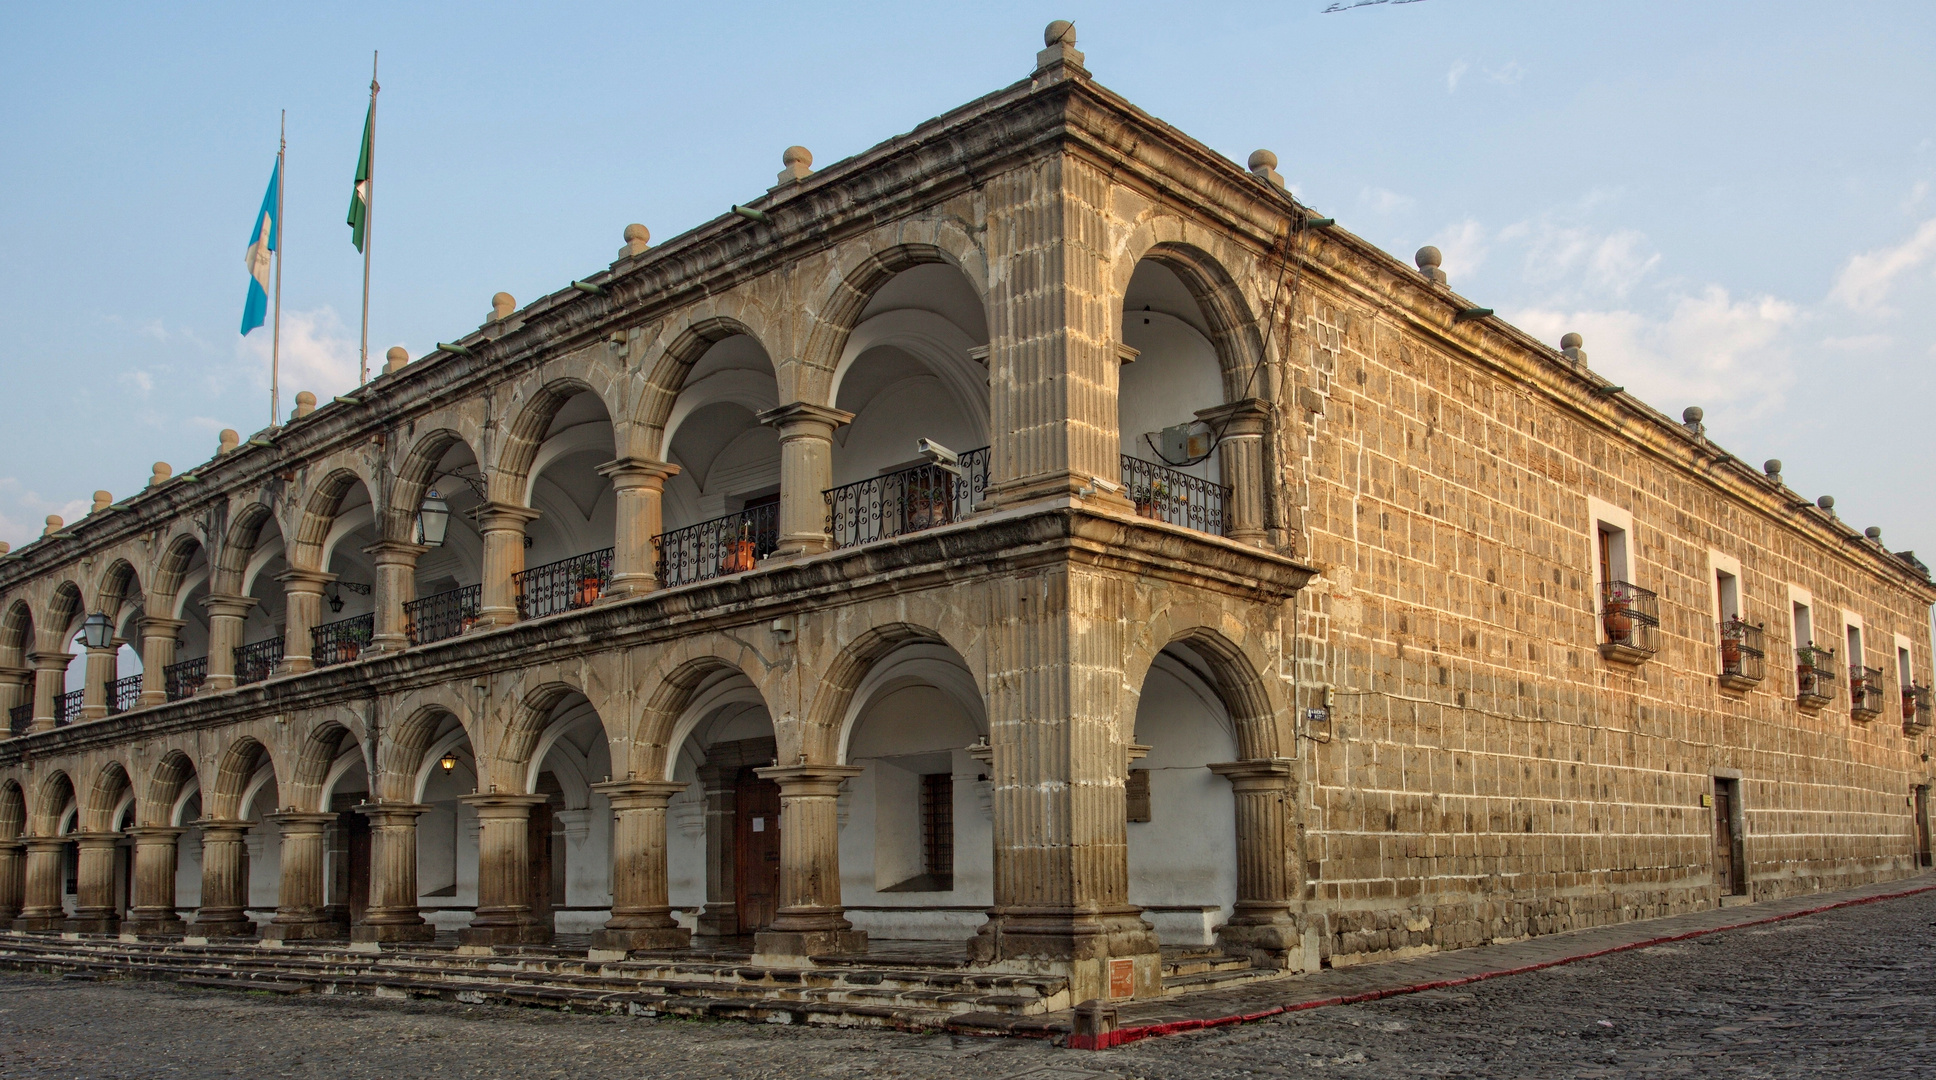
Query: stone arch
(833, 698)
(51, 802)
(675, 364)
(238, 545)
(104, 796)
(319, 514)
(840, 309)
(64, 613)
(13, 810)
(310, 774)
(233, 771)
(171, 571)
(1235, 677)
(512, 757)
(658, 732)
(510, 479)
(165, 785)
(119, 585)
(17, 635)
(403, 750)
(1235, 322)
(419, 468)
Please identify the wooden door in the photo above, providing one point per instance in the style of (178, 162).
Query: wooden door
(1725, 870)
(1922, 825)
(756, 882)
(356, 835)
(538, 837)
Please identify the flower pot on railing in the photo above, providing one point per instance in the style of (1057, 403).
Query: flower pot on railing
(739, 557)
(1618, 622)
(588, 588)
(1730, 654)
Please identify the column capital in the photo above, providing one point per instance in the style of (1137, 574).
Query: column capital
(300, 820)
(95, 839)
(500, 805)
(802, 417)
(45, 843)
(1255, 769)
(15, 675)
(155, 832)
(1248, 416)
(493, 516)
(157, 626)
(639, 794)
(391, 813)
(393, 552)
(50, 661)
(236, 607)
(809, 779)
(632, 472)
(212, 827)
(314, 579)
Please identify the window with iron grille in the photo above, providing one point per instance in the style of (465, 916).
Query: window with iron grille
(938, 829)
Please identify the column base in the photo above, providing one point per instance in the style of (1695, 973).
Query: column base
(605, 939)
(98, 924)
(803, 943)
(239, 927)
(305, 931)
(718, 920)
(162, 927)
(1110, 955)
(420, 931)
(39, 924)
(522, 934)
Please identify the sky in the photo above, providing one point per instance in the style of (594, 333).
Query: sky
(1735, 203)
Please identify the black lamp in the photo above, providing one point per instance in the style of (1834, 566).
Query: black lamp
(97, 631)
(449, 761)
(433, 519)
(336, 601)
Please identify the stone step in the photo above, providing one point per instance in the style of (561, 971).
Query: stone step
(1219, 979)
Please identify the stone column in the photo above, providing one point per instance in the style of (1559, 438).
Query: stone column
(225, 615)
(1265, 919)
(301, 909)
(13, 882)
(154, 881)
(50, 682)
(810, 921)
(100, 675)
(225, 880)
(392, 911)
(806, 472)
(396, 585)
(94, 885)
(40, 908)
(1240, 460)
(641, 908)
(302, 592)
(1059, 762)
(720, 917)
(637, 486)
(503, 526)
(504, 915)
(16, 689)
(157, 653)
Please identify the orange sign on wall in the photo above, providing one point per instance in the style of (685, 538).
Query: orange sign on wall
(1122, 978)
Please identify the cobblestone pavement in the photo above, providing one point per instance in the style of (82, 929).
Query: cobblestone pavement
(1849, 992)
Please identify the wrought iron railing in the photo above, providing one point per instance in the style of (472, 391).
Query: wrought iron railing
(341, 641)
(564, 585)
(1915, 707)
(1813, 677)
(1164, 494)
(442, 615)
(20, 718)
(1630, 616)
(124, 694)
(185, 677)
(726, 545)
(908, 501)
(1865, 690)
(256, 662)
(1742, 655)
(67, 707)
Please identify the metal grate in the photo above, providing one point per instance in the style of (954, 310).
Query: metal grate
(564, 585)
(1631, 616)
(1164, 494)
(341, 641)
(442, 615)
(725, 545)
(1865, 690)
(184, 678)
(124, 694)
(67, 707)
(908, 501)
(1813, 677)
(1915, 707)
(1742, 655)
(256, 662)
(938, 829)
(20, 718)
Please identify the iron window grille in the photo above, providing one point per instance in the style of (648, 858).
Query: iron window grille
(1865, 690)
(124, 694)
(1915, 707)
(1630, 616)
(184, 678)
(442, 615)
(724, 545)
(1814, 679)
(256, 662)
(341, 641)
(67, 707)
(907, 501)
(565, 585)
(20, 718)
(1164, 494)
(1742, 655)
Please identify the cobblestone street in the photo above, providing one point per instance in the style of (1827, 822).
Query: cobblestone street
(1847, 992)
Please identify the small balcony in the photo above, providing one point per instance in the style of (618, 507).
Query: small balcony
(1865, 693)
(908, 501)
(67, 707)
(1164, 494)
(1630, 618)
(183, 679)
(1743, 661)
(724, 545)
(565, 585)
(256, 662)
(442, 615)
(124, 694)
(1814, 679)
(1915, 709)
(341, 641)
(20, 718)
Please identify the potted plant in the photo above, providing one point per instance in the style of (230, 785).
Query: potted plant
(1149, 500)
(739, 553)
(1618, 622)
(588, 588)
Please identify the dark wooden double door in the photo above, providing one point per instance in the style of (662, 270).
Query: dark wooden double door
(756, 851)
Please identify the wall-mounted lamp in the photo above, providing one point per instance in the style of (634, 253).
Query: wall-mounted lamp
(97, 631)
(448, 762)
(433, 520)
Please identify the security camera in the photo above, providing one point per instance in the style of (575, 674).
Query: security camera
(937, 453)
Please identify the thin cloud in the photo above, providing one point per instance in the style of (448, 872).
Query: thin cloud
(1464, 245)
(1453, 76)
(1382, 201)
(318, 355)
(1867, 279)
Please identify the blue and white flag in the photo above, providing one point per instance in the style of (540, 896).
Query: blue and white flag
(266, 239)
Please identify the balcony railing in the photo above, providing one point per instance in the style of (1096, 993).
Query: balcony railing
(1742, 657)
(442, 615)
(1630, 615)
(20, 718)
(565, 585)
(341, 641)
(124, 694)
(722, 546)
(1814, 679)
(1164, 494)
(67, 707)
(1915, 708)
(185, 677)
(254, 663)
(908, 501)
(1865, 691)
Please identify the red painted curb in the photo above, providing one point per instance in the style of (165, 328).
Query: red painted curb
(1124, 1036)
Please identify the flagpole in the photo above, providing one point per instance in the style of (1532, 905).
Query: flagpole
(369, 212)
(275, 331)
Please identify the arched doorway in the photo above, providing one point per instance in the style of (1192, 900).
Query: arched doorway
(723, 827)
(1182, 816)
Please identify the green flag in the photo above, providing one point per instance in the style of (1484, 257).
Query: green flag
(360, 197)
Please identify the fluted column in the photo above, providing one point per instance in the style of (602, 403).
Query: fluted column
(1240, 460)
(1265, 918)
(396, 585)
(50, 682)
(719, 786)
(806, 472)
(810, 921)
(641, 908)
(154, 880)
(16, 689)
(40, 909)
(13, 880)
(94, 885)
(301, 903)
(225, 616)
(302, 592)
(225, 880)
(100, 675)
(391, 914)
(638, 488)
(504, 915)
(158, 637)
(503, 525)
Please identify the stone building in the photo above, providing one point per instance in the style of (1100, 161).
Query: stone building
(1035, 532)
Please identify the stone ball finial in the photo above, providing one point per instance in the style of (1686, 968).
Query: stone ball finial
(5, 547)
(1571, 341)
(305, 403)
(502, 305)
(227, 441)
(1873, 532)
(162, 471)
(102, 500)
(1772, 467)
(1059, 58)
(637, 239)
(1264, 163)
(1059, 32)
(1429, 259)
(797, 164)
(1692, 415)
(395, 359)
(54, 523)
(1826, 502)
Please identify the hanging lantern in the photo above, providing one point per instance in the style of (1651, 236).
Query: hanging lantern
(336, 601)
(97, 632)
(449, 761)
(433, 519)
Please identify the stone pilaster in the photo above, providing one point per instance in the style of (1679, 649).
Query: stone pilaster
(225, 616)
(1240, 458)
(302, 592)
(392, 911)
(396, 585)
(158, 637)
(641, 908)
(720, 917)
(154, 912)
(503, 526)
(13, 880)
(638, 488)
(40, 909)
(504, 915)
(1265, 920)
(94, 885)
(50, 682)
(810, 921)
(301, 906)
(806, 472)
(225, 880)
(100, 675)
